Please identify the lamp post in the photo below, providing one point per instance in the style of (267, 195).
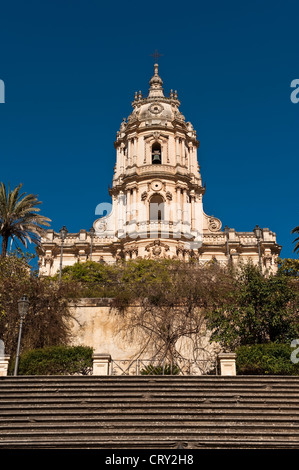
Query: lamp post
(91, 233)
(23, 306)
(63, 233)
(226, 231)
(258, 233)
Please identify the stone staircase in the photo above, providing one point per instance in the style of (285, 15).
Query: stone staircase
(144, 412)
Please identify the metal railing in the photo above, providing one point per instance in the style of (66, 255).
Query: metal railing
(156, 367)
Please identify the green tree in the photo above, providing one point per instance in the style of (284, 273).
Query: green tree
(288, 267)
(19, 217)
(257, 310)
(93, 279)
(296, 230)
(48, 320)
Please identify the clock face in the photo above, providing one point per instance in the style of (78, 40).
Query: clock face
(156, 185)
(156, 108)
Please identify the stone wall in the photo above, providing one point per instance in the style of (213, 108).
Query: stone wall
(97, 324)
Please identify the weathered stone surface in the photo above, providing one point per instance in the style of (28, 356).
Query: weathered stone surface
(149, 412)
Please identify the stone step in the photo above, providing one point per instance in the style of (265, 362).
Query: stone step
(179, 399)
(188, 433)
(143, 412)
(197, 411)
(210, 419)
(120, 380)
(188, 424)
(151, 444)
(147, 393)
(138, 408)
(159, 387)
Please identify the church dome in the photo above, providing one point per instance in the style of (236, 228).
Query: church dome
(156, 110)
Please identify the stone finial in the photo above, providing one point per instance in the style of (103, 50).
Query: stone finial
(156, 83)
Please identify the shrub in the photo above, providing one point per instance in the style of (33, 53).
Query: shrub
(56, 360)
(270, 359)
(167, 369)
(48, 320)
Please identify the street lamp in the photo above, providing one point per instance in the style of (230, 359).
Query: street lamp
(91, 233)
(23, 306)
(63, 233)
(258, 233)
(226, 231)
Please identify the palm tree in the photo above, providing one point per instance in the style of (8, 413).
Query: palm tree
(19, 218)
(296, 230)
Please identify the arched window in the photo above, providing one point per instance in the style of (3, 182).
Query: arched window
(156, 208)
(156, 154)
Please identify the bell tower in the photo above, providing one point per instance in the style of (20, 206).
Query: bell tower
(157, 192)
(157, 188)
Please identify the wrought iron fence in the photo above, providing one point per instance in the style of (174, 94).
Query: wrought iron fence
(156, 367)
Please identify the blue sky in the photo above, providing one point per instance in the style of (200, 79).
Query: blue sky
(71, 68)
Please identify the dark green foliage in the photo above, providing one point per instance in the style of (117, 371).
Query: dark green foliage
(270, 359)
(48, 318)
(92, 279)
(296, 241)
(288, 267)
(257, 310)
(167, 369)
(56, 360)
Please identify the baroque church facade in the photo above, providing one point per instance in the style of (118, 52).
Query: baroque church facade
(157, 200)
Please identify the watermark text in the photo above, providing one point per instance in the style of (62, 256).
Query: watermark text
(2, 92)
(295, 93)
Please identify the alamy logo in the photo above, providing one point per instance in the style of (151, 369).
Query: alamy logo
(142, 221)
(2, 91)
(295, 93)
(2, 353)
(294, 357)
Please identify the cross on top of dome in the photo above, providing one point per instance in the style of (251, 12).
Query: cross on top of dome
(156, 55)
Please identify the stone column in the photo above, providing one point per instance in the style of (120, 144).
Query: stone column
(182, 152)
(179, 204)
(135, 151)
(268, 259)
(178, 226)
(128, 208)
(192, 211)
(227, 363)
(129, 152)
(135, 204)
(120, 210)
(121, 159)
(234, 256)
(142, 149)
(191, 159)
(4, 360)
(101, 364)
(185, 207)
(177, 150)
